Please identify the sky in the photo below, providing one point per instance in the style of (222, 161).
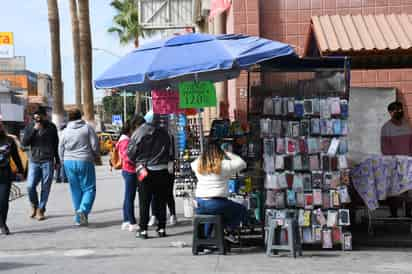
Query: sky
(27, 19)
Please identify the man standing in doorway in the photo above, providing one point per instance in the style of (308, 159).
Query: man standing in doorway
(396, 139)
(42, 138)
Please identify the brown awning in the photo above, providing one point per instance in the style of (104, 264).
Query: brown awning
(371, 40)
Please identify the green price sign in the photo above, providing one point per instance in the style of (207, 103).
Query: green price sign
(197, 94)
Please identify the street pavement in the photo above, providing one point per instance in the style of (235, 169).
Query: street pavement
(57, 246)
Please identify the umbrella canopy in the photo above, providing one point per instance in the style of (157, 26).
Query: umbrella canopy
(190, 57)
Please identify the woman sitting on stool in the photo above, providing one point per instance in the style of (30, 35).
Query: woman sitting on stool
(213, 169)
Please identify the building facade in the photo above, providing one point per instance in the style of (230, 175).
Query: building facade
(289, 21)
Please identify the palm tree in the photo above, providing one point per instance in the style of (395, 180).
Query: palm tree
(126, 22)
(57, 90)
(86, 60)
(76, 52)
(126, 25)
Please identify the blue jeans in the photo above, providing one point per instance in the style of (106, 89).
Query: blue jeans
(40, 172)
(82, 180)
(130, 181)
(233, 213)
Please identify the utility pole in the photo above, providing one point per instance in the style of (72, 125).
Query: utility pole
(124, 107)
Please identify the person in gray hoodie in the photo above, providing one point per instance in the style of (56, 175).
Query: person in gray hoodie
(78, 148)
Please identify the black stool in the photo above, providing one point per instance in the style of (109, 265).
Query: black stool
(203, 238)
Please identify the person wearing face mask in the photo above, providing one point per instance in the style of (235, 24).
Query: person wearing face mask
(42, 138)
(396, 139)
(8, 149)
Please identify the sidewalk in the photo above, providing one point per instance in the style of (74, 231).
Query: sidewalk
(57, 246)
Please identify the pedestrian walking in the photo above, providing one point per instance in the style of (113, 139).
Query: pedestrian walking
(129, 174)
(42, 138)
(150, 149)
(79, 148)
(8, 148)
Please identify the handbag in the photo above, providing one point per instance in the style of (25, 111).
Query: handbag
(141, 172)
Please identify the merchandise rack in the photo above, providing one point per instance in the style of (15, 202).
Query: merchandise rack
(314, 66)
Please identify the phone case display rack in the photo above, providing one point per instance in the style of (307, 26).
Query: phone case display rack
(187, 148)
(241, 187)
(304, 147)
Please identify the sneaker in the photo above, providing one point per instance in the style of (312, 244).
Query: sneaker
(231, 238)
(161, 232)
(153, 221)
(5, 230)
(125, 225)
(83, 219)
(173, 220)
(133, 228)
(142, 234)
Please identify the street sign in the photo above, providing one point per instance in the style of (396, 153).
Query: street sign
(197, 94)
(117, 120)
(6, 45)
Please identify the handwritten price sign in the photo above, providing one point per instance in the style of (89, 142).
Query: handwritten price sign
(197, 94)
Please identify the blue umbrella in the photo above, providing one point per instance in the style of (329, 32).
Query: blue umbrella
(190, 57)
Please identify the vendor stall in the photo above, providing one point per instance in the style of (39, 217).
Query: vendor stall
(299, 131)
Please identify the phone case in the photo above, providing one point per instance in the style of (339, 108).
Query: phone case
(327, 239)
(317, 179)
(298, 183)
(308, 200)
(344, 218)
(317, 197)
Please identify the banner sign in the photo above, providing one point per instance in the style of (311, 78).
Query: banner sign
(165, 101)
(197, 94)
(6, 45)
(218, 7)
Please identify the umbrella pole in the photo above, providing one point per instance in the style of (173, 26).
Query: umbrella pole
(202, 137)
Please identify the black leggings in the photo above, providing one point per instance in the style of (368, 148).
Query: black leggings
(170, 201)
(4, 202)
(153, 186)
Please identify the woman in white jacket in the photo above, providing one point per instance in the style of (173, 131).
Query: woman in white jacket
(213, 169)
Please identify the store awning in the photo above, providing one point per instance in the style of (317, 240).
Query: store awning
(373, 41)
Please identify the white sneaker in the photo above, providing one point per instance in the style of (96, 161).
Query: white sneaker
(173, 220)
(153, 221)
(133, 228)
(125, 225)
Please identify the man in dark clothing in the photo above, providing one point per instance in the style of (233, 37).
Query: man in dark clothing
(42, 137)
(8, 148)
(150, 146)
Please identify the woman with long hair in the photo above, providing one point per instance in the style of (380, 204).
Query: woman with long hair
(129, 174)
(213, 169)
(8, 148)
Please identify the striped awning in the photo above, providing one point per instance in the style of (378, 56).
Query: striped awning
(361, 34)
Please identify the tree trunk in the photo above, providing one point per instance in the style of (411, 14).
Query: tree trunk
(86, 60)
(57, 90)
(138, 98)
(76, 52)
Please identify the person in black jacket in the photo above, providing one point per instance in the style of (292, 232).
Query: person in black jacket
(42, 138)
(8, 148)
(150, 146)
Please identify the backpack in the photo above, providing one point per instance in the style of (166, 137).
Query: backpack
(4, 156)
(115, 159)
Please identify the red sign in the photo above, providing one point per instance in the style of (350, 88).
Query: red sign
(219, 6)
(165, 101)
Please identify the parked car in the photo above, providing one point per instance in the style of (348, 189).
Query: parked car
(106, 142)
